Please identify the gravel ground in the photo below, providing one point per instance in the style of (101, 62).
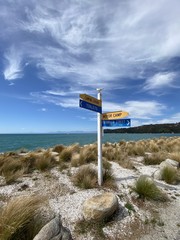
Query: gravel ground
(67, 200)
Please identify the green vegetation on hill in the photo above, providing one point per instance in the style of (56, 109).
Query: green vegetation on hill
(152, 128)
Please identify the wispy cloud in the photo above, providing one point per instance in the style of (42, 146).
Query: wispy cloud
(78, 46)
(160, 80)
(137, 109)
(13, 68)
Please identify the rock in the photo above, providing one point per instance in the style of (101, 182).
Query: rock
(54, 230)
(100, 207)
(169, 163)
(157, 175)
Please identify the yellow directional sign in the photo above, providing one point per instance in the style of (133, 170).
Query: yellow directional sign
(91, 99)
(114, 115)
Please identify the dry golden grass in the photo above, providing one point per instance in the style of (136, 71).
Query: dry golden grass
(66, 154)
(86, 177)
(135, 149)
(12, 169)
(88, 154)
(155, 158)
(58, 148)
(75, 160)
(44, 161)
(17, 216)
(175, 156)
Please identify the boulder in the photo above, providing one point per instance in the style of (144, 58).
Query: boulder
(169, 163)
(54, 230)
(157, 175)
(100, 207)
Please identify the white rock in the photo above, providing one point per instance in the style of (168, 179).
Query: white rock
(100, 207)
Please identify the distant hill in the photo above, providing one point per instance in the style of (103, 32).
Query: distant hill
(152, 128)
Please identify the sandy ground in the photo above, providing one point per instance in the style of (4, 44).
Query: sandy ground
(163, 219)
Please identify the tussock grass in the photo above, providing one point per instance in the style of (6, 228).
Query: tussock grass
(147, 189)
(29, 162)
(170, 175)
(66, 154)
(86, 177)
(44, 161)
(88, 154)
(76, 160)
(109, 180)
(175, 156)
(58, 148)
(12, 169)
(155, 158)
(17, 216)
(82, 227)
(135, 149)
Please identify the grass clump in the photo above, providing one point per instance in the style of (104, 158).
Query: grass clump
(88, 154)
(94, 227)
(170, 175)
(66, 154)
(12, 169)
(17, 216)
(109, 180)
(44, 161)
(58, 148)
(154, 159)
(86, 177)
(147, 189)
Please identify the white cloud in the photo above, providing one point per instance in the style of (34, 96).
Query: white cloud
(160, 80)
(43, 109)
(137, 109)
(13, 69)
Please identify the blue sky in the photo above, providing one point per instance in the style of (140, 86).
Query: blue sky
(51, 51)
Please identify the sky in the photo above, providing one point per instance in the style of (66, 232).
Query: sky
(53, 50)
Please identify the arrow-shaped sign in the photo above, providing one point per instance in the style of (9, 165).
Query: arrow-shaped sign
(117, 123)
(89, 106)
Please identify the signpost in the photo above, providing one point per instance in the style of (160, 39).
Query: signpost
(117, 123)
(114, 115)
(91, 99)
(110, 119)
(94, 104)
(90, 106)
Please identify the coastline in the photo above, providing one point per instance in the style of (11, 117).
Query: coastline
(14, 142)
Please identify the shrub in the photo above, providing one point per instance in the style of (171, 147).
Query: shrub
(147, 189)
(86, 177)
(170, 175)
(17, 216)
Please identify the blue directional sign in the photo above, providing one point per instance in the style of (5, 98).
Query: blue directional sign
(90, 106)
(117, 123)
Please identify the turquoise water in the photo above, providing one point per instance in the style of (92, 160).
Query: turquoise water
(12, 142)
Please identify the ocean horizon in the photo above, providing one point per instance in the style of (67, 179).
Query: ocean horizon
(14, 141)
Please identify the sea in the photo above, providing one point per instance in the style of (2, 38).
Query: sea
(14, 142)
